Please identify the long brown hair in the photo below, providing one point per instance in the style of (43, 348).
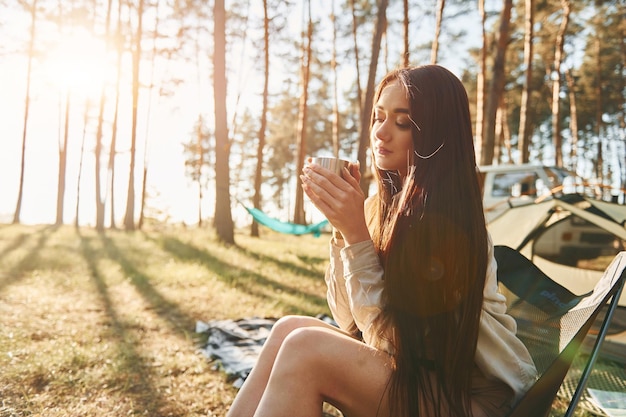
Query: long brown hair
(430, 233)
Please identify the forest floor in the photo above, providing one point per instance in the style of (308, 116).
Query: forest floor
(104, 324)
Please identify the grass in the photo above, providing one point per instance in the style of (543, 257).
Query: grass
(103, 324)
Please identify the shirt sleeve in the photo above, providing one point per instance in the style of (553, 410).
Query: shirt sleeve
(500, 353)
(363, 275)
(336, 293)
(355, 285)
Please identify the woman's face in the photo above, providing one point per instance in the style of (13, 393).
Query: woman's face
(391, 137)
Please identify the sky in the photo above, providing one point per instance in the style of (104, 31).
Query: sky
(73, 63)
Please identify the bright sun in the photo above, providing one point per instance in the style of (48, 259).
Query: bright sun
(78, 62)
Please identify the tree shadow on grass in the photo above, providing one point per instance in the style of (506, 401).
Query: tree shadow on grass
(240, 277)
(287, 266)
(177, 318)
(28, 263)
(16, 243)
(134, 369)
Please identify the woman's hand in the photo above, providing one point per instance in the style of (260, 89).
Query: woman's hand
(340, 199)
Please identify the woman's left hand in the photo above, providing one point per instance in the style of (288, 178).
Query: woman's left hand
(340, 199)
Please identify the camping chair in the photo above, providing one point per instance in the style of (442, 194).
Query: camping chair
(552, 322)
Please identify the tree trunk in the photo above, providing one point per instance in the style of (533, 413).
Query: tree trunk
(200, 150)
(556, 84)
(504, 138)
(622, 118)
(333, 65)
(98, 150)
(258, 175)
(31, 53)
(496, 87)
(573, 119)
(298, 214)
(98, 166)
(63, 162)
(63, 142)
(144, 182)
(406, 54)
(600, 161)
(480, 86)
(356, 57)
(434, 51)
(524, 121)
(200, 197)
(113, 145)
(129, 218)
(497, 149)
(80, 164)
(368, 102)
(223, 215)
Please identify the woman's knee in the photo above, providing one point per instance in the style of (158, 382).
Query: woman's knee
(287, 324)
(332, 366)
(303, 348)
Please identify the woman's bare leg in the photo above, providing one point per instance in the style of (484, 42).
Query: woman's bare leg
(249, 395)
(317, 364)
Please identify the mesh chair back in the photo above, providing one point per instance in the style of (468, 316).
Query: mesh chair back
(552, 321)
(540, 306)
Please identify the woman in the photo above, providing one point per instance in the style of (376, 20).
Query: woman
(411, 280)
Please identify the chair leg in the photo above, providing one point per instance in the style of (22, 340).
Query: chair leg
(595, 351)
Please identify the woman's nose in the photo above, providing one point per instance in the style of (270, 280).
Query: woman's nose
(381, 132)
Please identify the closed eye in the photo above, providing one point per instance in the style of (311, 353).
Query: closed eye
(379, 118)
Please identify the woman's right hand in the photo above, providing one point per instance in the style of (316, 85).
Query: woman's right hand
(340, 199)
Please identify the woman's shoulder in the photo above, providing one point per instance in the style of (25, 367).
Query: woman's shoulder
(371, 208)
(371, 205)
(370, 201)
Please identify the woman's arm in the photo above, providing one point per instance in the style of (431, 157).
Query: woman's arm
(364, 288)
(354, 278)
(336, 293)
(500, 354)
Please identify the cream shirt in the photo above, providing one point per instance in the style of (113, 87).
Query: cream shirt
(355, 286)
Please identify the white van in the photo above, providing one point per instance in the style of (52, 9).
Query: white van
(512, 185)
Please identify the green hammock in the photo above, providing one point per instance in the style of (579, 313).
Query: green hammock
(286, 227)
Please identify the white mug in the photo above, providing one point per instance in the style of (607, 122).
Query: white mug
(330, 163)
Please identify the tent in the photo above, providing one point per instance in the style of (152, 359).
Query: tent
(571, 238)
